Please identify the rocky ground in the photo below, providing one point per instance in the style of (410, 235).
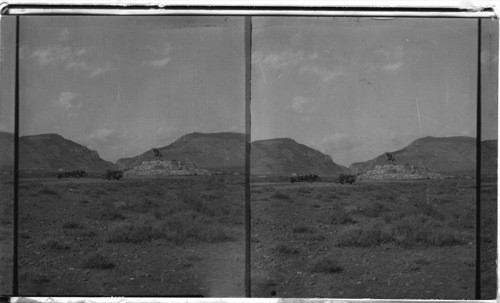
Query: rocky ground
(392, 240)
(176, 236)
(6, 234)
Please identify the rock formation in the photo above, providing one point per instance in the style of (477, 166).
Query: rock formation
(399, 172)
(158, 168)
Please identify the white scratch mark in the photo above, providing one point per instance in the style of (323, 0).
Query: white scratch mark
(418, 112)
(262, 70)
(447, 97)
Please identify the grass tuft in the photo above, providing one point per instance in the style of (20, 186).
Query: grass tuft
(285, 249)
(48, 191)
(55, 244)
(326, 265)
(97, 261)
(302, 229)
(279, 195)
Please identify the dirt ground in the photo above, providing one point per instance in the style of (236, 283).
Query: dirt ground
(489, 237)
(392, 240)
(179, 236)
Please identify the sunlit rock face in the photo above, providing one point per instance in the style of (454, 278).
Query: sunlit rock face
(165, 168)
(399, 172)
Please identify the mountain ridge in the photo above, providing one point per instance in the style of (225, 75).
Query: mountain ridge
(51, 152)
(455, 155)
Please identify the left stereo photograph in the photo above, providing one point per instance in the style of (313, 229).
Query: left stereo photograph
(131, 155)
(7, 110)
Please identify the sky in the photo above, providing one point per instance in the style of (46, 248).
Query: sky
(352, 88)
(355, 88)
(124, 85)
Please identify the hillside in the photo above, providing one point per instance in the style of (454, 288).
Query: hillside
(53, 152)
(285, 156)
(213, 151)
(448, 155)
(489, 157)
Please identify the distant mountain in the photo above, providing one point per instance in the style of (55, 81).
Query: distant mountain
(213, 151)
(489, 157)
(51, 152)
(448, 155)
(285, 156)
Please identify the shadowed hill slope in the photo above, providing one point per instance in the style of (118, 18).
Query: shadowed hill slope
(449, 155)
(214, 151)
(52, 152)
(6, 150)
(285, 156)
(489, 157)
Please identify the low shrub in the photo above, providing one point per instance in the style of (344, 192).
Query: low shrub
(71, 225)
(342, 217)
(279, 195)
(34, 277)
(326, 265)
(106, 212)
(285, 249)
(368, 235)
(97, 261)
(374, 210)
(48, 191)
(139, 230)
(143, 206)
(302, 229)
(55, 244)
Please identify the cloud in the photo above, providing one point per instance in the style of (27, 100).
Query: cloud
(279, 60)
(81, 59)
(302, 105)
(160, 63)
(67, 101)
(161, 55)
(52, 54)
(310, 63)
(392, 67)
(325, 74)
(64, 34)
(392, 53)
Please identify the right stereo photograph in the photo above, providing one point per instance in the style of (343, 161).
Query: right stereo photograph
(365, 140)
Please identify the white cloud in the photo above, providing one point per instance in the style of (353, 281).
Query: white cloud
(325, 74)
(78, 59)
(307, 63)
(67, 101)
(393, 67)
(52, 54)
(160, 63)
(302, 105)
(278, 60)
(64, 34)
(161, 55)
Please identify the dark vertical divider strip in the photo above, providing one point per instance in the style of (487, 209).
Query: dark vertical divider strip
(478, 166)
(15, 289)
(248, 123)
